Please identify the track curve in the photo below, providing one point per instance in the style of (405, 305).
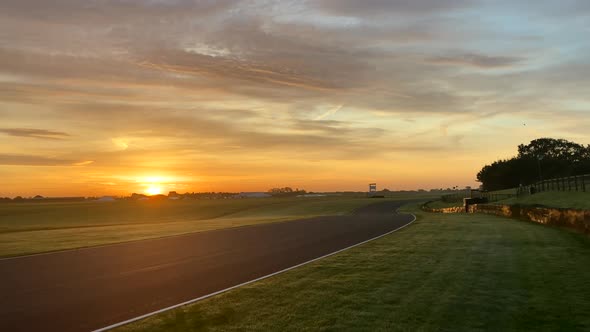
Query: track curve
(87, 289)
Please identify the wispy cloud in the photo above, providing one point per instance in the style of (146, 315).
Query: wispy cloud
(476, 60)
(31, 160)
(35, 133)
(329, 112)
(385, 7)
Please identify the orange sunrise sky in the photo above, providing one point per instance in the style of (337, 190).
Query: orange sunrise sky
(115, 97)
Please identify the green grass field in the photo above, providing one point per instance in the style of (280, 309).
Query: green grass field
(27, 228)
(558, 199)
(511, 191)
(443, 273)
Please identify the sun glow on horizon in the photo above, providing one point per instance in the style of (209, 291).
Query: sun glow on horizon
(153, 185)
(153, 190)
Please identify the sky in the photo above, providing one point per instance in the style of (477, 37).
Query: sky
(110, 97)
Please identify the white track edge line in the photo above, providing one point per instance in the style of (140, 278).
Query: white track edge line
(248, 282)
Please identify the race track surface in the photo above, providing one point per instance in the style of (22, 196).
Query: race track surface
(87, 289)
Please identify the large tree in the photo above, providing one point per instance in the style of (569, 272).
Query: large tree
(543, 158)
(558, 149)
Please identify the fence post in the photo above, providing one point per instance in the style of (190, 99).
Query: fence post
(545, 185)
(562, 184)
(576, 181)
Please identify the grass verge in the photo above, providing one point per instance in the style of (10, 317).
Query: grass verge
(557, 199)
(443, 273)
(511, 191)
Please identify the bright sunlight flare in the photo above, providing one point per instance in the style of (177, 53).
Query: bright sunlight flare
(153, 190)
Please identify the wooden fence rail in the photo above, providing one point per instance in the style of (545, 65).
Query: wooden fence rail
(569, 183)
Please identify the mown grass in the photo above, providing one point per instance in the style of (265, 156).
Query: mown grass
(28, 228)
(45, 216)
(511, 191)
(443, 273)
(557, 199)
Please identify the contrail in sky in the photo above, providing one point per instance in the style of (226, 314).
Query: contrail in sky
(329, 112)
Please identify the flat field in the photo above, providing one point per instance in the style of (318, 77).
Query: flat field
(557, 199)
(442, 273)
(27, 228)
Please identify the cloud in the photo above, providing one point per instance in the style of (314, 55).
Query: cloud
(329, 112)
(263, 59)
(35, 133)
(476, 60)
(208, 132)
(109, 11)
(31, 160)
(228, 68)
(83, 163)
(388, 7)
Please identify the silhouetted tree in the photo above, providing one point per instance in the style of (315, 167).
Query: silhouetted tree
(286, 191)
(550, 148)
(542, 158)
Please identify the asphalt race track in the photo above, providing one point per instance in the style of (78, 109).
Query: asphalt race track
(87, 289)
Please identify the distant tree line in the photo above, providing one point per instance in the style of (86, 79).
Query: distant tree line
(543, 158)
(286, 192)
(41, 199)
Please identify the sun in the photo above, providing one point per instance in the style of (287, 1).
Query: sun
(153, 190)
